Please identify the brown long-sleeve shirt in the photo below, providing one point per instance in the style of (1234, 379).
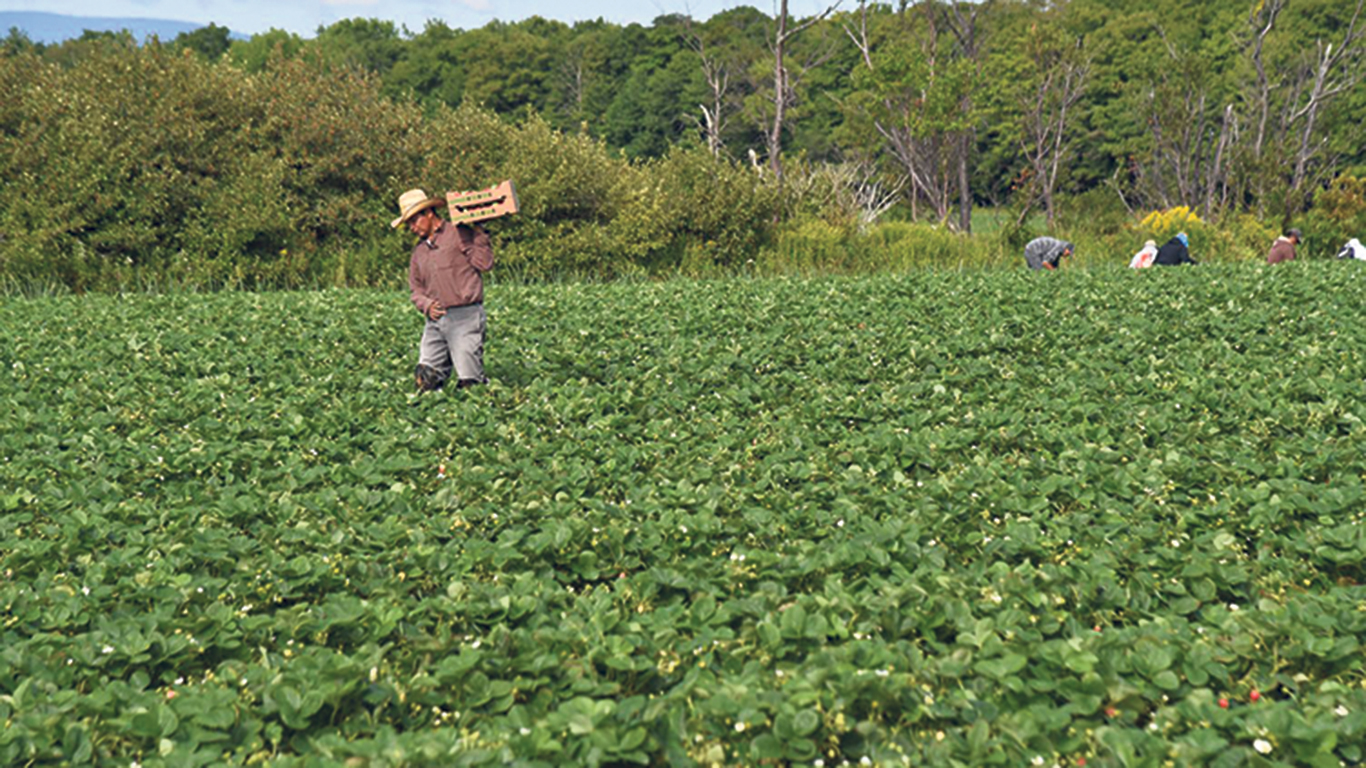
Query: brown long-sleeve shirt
(1282, 250)
(449, 267)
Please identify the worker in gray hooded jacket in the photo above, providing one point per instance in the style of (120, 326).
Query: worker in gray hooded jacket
(1046, 252)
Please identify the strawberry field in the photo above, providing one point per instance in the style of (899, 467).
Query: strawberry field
(1092, 518)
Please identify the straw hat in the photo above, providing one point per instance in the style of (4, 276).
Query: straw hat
(413, 202)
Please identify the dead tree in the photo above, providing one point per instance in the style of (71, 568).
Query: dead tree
(1262, 20)
(964, 28)
(924, 143)
(1188, 142)
(1336, 69)
(1286, 110)
(1219, 180)
(1059, 83)
(716, 73)
(782, 93)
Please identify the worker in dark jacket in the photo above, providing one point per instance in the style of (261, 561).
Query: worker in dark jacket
(1174, 252)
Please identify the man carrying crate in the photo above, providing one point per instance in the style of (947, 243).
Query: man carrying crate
(445, 276)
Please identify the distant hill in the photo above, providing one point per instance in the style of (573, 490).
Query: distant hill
(55, 27)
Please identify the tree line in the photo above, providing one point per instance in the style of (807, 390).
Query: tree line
(916, 111)
(1213, 105)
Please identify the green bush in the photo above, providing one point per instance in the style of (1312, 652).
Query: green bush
(1243, 237)
(1339, 214)
(139, 166)
(708, 213)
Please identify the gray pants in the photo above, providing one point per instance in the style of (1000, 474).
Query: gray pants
(456, 341)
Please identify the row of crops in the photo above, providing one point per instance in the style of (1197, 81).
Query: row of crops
(1087, 518)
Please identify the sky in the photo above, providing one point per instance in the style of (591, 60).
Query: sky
(303, 17)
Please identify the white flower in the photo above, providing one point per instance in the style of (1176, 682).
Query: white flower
(819, 763)
(1233, 606)
(524, 731)
(1038, 760)
(1341, 711)
(865, 760)
(246, 608)
(740, 726)
(1262, 745)
(1176, 542)
(476, 643)
(85, 590)
(107, 649)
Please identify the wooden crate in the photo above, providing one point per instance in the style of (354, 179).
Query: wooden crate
(482, 204)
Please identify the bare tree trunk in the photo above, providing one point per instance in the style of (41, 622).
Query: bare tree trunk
(964, 179)
(1335, 68)
(573, 74)
(1335, 71)
(1261, 20)
(713, 121)
(1046, 108)
(1218, 174)
(929, 159)
(781, 86)
(775, 134)
(1269, 10)
(965, 29)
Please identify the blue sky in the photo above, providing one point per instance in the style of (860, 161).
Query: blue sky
(303, 17)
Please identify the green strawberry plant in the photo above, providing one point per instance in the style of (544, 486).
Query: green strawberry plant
(937, 518)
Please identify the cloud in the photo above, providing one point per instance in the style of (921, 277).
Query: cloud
(350, 2)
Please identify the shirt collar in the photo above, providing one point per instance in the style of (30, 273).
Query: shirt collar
(436, 236)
